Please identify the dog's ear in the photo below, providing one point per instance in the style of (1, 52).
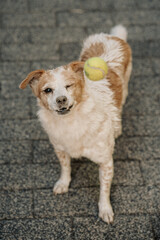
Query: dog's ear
(77, 66)
(32, 78)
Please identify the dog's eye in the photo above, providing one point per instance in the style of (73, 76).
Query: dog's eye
(68, 86)
(48, 90)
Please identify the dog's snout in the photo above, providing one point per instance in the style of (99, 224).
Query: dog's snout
(62, 100)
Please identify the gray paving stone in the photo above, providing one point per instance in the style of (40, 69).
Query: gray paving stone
(43, 152)
(141, 126)
(138, 105)
(34, 107)
(134, 200)
(56, 35)
(49, 6)
(156, 197)
(140, 33)
(30, 52)
(10, 89)
(117, 5)
(87, 174)
(129, 5)
(29, 20)
(16, 71)
(13, 6)
(45, 176)
(142, 49)
(155, 220)
(16, 177)
(144, 86)
(16, 204)
(125, 200)
(84, 175)
(10, 35)
(151, 171)
(142, 148)
(14, 108)
(22, 129)
(15, 152)
(142, 67)
(139, 17)
(88, 19)
(26, 229)
(155, 64)
(127, 173)
(75, 202)
(99, 29)
(124, 227)
(70, 51)
(28, 176)
(150, 32)
(148, 4)
(47, 64)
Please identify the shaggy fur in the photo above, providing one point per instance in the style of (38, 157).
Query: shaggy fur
(83, 117)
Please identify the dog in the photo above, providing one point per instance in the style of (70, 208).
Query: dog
(82, 117)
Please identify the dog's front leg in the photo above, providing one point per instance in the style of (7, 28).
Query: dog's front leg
(105, 176)
(61, 186)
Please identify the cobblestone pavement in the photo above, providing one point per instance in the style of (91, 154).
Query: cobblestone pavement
(45, 34)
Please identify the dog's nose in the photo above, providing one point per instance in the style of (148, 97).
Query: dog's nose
(62, 100)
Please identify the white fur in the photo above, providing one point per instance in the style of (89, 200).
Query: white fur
(119, 31)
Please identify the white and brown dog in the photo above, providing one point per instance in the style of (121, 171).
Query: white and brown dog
(83, 117)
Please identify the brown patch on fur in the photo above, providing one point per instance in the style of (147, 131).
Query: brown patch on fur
(77, 66)
(35, 75)
(74, 75)
(40, 93)
(95, 50)
(127, 53)
(115, 86)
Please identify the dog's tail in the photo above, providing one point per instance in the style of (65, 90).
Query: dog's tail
(119, 31)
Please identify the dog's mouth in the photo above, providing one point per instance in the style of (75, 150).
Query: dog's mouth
(64, 110)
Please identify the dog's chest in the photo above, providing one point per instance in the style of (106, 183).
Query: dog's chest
(75, 135)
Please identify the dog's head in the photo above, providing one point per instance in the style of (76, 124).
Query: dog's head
(58, 90)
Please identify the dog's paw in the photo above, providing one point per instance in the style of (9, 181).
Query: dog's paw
(106, 213)
(60, 187)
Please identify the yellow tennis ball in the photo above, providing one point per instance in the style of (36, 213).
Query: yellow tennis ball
(95, 68)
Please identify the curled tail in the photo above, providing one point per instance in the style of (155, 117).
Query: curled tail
(119, 31)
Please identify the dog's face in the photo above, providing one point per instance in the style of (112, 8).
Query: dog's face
(59, 90)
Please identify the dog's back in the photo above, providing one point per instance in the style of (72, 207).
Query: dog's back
(115, 51)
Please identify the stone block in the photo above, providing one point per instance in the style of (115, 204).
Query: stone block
(16, 204)
(134, 200)
(14, 6)
(14, 108)
(86, 19)
(43, 152)
(141, 148)
(141, 126)
(58, 228)
(123, 227)
(151, 171)
(75, 202)
(57, 35)
(15, 152)
(29, 20)
(13, 177)
(14, 72)
(9, 35)
(30, 52)
(22, 129)
(70, 51)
